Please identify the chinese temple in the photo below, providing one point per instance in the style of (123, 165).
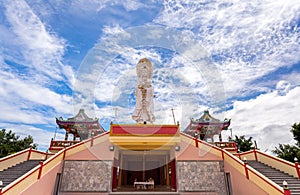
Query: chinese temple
(80, 126)
(146, 158)
(206, 127)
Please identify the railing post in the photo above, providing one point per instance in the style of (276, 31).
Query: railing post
(246, 169)
(255, 154)
(222, 154)
(41, 169)
(0, 191)
(196, 142)
(92, 141)
(29, 153)
(64, 153)
(286, 190)
(297, 169)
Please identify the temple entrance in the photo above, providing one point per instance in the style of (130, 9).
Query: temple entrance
(144, 171)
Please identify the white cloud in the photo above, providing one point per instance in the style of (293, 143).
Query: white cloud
(129, 5)
(248, 39)
(39, 48)
(31, 66)
(111, 30)
(267, 118)
(293, 78)
(19, 99)
(283, 87)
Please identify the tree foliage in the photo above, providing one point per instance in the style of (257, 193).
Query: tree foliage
(296, 133)
(244, 144)
(11, 143)
(289, 152)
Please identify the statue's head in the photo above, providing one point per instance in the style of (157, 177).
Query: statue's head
(145, 61)
(144, 70)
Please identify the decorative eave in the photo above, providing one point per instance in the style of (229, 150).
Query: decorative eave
(80, 122)
(223, 125)
(62, 122)
(207, 120)
(144, 137)
(80, 118)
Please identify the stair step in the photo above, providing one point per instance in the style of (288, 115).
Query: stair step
(12, 173)
(287, 179)
(9, 177)
(294, 186)
(277, 176)
(289, 182)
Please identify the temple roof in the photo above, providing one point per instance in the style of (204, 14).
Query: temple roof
(80, 125)
(207, 120)
(206, 126)
(80, 117)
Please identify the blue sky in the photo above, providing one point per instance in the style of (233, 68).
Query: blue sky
(239, 59)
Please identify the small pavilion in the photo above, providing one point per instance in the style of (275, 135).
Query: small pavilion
(206, 127)
(80, 126)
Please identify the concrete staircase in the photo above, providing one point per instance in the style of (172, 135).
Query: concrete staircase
(12, 173)
(277, 176)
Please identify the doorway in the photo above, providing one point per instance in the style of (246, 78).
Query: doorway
(144, 166)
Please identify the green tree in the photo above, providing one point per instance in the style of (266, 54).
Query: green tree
(296, 133)
(243, 143)
(289, 152)
(11, 143)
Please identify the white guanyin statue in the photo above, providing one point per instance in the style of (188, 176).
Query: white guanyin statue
(144, 93)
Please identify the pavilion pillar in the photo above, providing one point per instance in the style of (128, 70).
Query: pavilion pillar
(173, 175)
(144, 167)
(66, 136)
(120, 170)
(167, 172)
(114, 175)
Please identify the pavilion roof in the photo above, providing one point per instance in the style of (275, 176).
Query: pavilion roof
(79, 124)
(80, 117)
(207, 120)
